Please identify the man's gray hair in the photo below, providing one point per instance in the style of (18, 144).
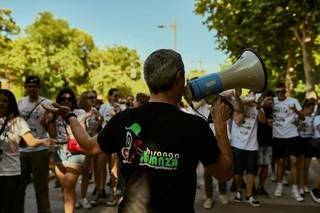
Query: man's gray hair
(160, 69)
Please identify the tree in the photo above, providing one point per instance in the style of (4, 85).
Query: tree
(118, 67)
(7, 28)
(272, 28)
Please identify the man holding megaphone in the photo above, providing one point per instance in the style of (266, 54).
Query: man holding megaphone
(165, 142)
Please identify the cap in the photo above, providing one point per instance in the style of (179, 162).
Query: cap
(32, 80)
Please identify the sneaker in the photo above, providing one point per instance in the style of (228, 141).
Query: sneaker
(208, 203)
(306, 189)
(84, 203)
(224, 199)
(261, 191)
(297, 196)
(252, 201)
(238, 197)
(279, 191)
(315, 194)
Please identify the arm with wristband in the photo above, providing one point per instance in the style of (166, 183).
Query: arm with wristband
(89, 145)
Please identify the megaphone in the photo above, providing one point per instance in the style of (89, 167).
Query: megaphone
(248, 72)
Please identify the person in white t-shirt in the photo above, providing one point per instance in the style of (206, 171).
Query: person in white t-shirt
(306, 132)
(35, 160)
(13, 129)
(244, 144)
(286, 113)
(68, 163)
(107, 111)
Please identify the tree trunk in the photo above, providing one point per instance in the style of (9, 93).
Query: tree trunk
(309, 68)
(308, 60)
(290, 74)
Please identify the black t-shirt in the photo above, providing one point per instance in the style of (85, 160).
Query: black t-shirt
(159, 148)
(264, 131)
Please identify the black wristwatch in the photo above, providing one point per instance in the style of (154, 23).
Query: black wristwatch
(68, 115)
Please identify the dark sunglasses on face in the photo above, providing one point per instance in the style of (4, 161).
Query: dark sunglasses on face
(281, 91)
(66, 99)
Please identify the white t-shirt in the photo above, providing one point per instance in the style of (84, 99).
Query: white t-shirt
(306, 129)
(25, 107)
(105, 112)
(284, 118)
(9, 144)
(92, 123)
(245, 136)
(63, 129)
(316, 122)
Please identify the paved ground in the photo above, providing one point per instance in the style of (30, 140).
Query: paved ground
(274, 205)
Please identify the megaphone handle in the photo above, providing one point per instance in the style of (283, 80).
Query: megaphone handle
(226, 101)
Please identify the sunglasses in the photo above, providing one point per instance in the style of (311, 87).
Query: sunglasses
(91, 97)
(280, 91)
(66, 98)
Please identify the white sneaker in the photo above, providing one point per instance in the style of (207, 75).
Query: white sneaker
(279, 191)
(253, 202)
(208, 203)
(224, 200)
(84, 203)
(297, 196)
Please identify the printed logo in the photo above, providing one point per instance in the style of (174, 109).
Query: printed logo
(150, 158)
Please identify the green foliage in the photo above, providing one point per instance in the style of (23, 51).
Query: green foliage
(266, 26)
(67, 57)
(118, 67)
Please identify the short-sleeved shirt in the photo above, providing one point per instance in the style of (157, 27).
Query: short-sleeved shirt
(306, 127)
(25, 107)
(265, 131)
(284, 118)
(9, 144)
(244, 136)
(105, 112)
(159, 147)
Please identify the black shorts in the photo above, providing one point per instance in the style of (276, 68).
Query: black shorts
(284, 147)
(244, 160)
(306, 147)
(315, 147)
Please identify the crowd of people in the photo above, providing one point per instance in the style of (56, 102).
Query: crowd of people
(143, 151)
(268, 130)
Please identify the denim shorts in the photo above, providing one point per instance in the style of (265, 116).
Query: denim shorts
(63, 155)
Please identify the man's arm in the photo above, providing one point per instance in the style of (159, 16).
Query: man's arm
(89, 145)
(222, 169)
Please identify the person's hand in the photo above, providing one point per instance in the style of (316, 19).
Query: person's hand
(220, 110)
(49, 117)
(57, 109)
(294, 108)
(49, 142)
(269, 122)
